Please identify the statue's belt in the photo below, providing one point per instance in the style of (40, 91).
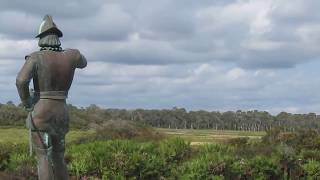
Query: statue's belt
(52, 94)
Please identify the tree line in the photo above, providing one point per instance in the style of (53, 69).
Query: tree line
(175, 118)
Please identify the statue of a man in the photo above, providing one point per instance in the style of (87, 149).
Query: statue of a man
(51, 69)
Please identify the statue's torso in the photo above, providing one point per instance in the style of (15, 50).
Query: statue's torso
(51, 72)
(54, 70)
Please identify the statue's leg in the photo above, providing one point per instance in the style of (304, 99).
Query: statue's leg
(60, 167)
(43, 150)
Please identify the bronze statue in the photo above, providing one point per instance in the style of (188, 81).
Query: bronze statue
(52, 70)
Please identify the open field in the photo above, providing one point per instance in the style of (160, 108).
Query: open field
(18, 135)
(201, 136)
(9, 134)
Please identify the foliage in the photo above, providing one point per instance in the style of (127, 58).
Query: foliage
(109, 159)
(15, 158)
(220, 161)
(127, 158)
(213, 161)
(175, 118)
(279, 155)
(121, 129)
(312, 169)
(263, 167)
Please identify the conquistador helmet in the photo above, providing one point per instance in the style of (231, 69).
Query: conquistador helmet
(48, 26)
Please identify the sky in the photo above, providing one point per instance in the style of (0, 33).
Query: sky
(211, 55)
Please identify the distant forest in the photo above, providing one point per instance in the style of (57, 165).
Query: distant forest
(175, 118)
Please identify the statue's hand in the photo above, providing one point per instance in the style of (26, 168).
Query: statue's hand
(28, 105)
(29, 109)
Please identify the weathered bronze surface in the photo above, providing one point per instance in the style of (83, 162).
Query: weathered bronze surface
(52, 70)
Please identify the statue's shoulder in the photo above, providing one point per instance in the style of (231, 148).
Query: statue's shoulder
(73, 51)
(33, 55)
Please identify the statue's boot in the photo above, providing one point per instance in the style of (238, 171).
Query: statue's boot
(45, 166)
(60, 167)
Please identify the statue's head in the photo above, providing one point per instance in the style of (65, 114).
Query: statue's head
(48, 27)
(49, 34)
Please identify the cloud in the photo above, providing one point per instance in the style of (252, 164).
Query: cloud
(250, 34)
(17, 25)
(110, 23)
(214, 55)
(15, 49)
(60, 8)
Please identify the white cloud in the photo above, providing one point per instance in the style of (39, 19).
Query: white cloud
(244, 54)
(235, 73)
(15, 48)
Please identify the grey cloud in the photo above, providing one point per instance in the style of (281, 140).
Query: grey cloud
(205, 39)
(95, 20)
(58, 8)
(214, 55)
(281, 57)
(18, 25)
(111, 23)
(206, 80)
(175, 31)
(135, 52)
(164, 21)
(295, 12)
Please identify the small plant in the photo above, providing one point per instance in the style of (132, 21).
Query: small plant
(263, 167)
(312, 169)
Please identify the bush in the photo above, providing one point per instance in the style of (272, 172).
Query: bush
(221, 161)
(214, 161)
(238, 142)
(290, 156)
(312, 169)
(5, 151)
(307, 154)
(126, 158)
(14, 158)
(263, 167)
(122, 129)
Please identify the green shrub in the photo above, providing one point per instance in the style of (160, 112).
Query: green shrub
(263, 167)
(307, 154)
(127, 158)
(220, 161)
(238, 142)
(5, 151)
(110, 175)
(312, 169)
(241, 169)
(214, 161)
(14, 158)
(122, 129)
(174, 149)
